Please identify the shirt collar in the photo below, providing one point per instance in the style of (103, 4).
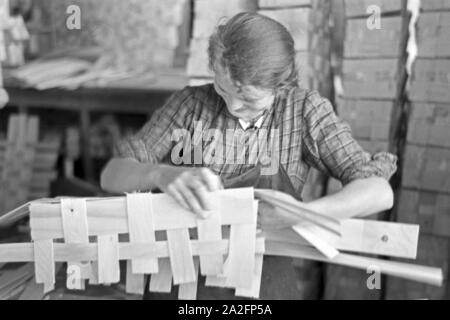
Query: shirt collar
(256, 124)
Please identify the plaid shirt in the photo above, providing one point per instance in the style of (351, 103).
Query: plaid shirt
(309, 134)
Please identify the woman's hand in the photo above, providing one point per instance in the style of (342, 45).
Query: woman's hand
(271, 217)
(189, 187)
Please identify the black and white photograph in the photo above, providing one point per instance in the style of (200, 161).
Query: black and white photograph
(228, 155)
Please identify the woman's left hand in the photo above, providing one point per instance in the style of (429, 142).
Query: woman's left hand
(271, 217)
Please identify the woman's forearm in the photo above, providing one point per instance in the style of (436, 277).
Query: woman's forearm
(128, 175)
(359, 198)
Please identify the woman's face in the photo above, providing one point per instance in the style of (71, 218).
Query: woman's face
(244, 102)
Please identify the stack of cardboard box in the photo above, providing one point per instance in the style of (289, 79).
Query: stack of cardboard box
(208, 14)
(373, 80)
(373, 71)
(424, 197)
(308, 23)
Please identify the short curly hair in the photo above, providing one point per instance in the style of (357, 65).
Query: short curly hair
(256, 50)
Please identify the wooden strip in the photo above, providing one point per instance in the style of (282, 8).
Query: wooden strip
(162, 281)
(240, 262)
(291, 205)
(413, 272)
(219, 281)
(108, 215)
(93, 280)
(108, 259)
(75, 227)
(134, 282)
(12, 292)
(13, 129)
(365, 236)
(7, 201)
(140, 222)
(44, 263)
(23, 252)
(9, 277)
(181, 259)
(188, 291)
(74, 220)
(306, 230)
(22, 129)
(32, 131)
(210, 230)
(253, 292)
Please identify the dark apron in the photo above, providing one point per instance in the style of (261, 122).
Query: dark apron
(281, 279)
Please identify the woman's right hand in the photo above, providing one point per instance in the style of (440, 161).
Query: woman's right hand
(189, 186)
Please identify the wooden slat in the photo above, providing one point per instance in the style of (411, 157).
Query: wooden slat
(162, 281)
(253, 292)
(140, 221)
(23, 252)
(240, 262)
(108, 215)
(210, 230)
(64, 252)
(10, 277)
(44, 263)
(181, 259)
(93, 280)
(13, 129)
(134, 282)
(365, 236)
(188, 291)
(307, 231)
(289, 203)
(413, 272)
(75, 227)
(108, 259)
(34, 290)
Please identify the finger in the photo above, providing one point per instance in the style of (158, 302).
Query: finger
(212, 180)
(201, 192)
(188, 197)
(174, 193)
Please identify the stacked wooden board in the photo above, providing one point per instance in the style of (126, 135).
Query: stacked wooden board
(208, 14)
(308, 23)
(3, 94)
(373, 73)
(373, 78)
(424, 197)
(26, 164)
(4, 13)
(142, 35)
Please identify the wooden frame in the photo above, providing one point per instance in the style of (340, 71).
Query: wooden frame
(154, 233)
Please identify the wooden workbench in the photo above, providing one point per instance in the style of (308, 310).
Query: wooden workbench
(139, 95)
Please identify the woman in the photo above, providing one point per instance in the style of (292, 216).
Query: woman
(221, 134)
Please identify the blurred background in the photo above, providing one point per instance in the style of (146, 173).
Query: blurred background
(77, 75)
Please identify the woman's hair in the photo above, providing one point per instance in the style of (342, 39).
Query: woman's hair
(256, 50)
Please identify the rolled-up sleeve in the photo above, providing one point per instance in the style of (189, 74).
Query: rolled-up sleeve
(155, 140)
(329, 145)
